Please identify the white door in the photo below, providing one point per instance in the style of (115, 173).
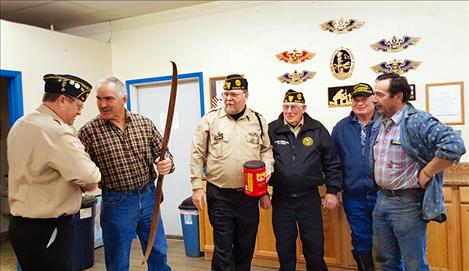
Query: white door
(151, 100)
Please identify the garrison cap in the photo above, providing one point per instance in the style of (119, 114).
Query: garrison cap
(292, 96)
(235, 82)
(66, 84)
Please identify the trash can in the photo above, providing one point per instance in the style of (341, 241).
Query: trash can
(83, 235)
(190, 227)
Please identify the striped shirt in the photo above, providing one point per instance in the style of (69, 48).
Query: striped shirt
(394, 169)
(125, 157)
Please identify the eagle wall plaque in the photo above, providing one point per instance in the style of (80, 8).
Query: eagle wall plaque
(296, 78)
(397, 66)
(395, 44)
(295, 57)
(341, 26)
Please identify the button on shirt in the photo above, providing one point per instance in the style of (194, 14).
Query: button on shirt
(394, 169)
(125, 157)
(225, 144)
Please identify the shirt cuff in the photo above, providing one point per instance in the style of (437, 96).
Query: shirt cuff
(197, 184)
(332, 190)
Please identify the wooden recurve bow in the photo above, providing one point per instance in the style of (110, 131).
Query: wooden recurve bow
(164, 148)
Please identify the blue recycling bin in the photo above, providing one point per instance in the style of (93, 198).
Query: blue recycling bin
(83, 235)
(190, 227)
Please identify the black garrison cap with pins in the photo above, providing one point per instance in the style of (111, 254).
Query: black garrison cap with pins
(235, 82)
(292, 96)
(66, 84)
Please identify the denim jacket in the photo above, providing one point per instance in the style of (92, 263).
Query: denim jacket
(423, 137)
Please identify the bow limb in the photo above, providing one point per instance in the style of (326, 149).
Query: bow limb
(164, 148)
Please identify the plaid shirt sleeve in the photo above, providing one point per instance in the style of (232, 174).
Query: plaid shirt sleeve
(157, 144)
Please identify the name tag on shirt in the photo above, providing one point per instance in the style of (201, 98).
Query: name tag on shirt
(395, 142)
(281, 142)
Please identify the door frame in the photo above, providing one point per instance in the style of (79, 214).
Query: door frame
(15, 94)
(132, 84)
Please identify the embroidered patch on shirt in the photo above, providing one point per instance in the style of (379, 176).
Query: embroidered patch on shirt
(78, 145)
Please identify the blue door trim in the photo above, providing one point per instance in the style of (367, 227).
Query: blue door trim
(15, 94)
(197, 75)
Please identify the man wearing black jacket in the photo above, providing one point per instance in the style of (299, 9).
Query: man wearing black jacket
(305, 158)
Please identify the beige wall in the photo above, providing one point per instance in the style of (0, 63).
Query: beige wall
(240, 37)
(35, 51)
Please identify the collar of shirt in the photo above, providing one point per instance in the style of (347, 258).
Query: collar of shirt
(297, 128)
(396, 118)
(46, 110)
(222, 113)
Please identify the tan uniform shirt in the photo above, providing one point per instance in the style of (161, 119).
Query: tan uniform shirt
(47, 163)
(225, 144)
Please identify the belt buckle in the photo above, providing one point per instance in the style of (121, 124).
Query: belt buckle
(239, 189)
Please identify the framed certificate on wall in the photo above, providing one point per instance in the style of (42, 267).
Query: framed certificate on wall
(445, 101)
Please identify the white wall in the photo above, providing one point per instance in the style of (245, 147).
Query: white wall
(226, 37)
(239, 37)
(36, 51)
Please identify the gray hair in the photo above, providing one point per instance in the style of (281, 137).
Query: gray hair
(119, 86)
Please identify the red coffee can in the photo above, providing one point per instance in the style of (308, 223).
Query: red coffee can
(255, 182)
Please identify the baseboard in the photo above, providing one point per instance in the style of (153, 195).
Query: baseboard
(174, 237)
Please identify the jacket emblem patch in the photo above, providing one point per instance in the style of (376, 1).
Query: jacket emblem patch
(307, 141)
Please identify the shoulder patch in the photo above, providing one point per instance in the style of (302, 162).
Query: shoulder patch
(77, 144)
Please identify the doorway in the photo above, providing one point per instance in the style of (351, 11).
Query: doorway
(150, 97)
(11, 109)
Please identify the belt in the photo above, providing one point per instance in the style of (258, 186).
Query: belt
(135, 191)
(298, 194)
(240, 189)
(399, 192)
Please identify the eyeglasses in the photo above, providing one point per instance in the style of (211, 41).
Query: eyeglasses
(233, 95)
(75, 101)
(293, 108)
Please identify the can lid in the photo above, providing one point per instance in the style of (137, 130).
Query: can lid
(254, 164)
(187, 204)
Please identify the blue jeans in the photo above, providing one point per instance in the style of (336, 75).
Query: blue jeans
(359, 212)
(125, 214)
(400, 232)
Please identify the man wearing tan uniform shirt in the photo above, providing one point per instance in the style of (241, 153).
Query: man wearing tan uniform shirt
(48, 169)
(224, 139)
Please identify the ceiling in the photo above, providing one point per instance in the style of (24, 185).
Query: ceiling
(58, 15)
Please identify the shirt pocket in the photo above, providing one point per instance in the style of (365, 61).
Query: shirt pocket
(254, 143)
(219, 146)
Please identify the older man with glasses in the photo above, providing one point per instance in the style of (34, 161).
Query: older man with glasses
(305, 158)
(225, 138)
